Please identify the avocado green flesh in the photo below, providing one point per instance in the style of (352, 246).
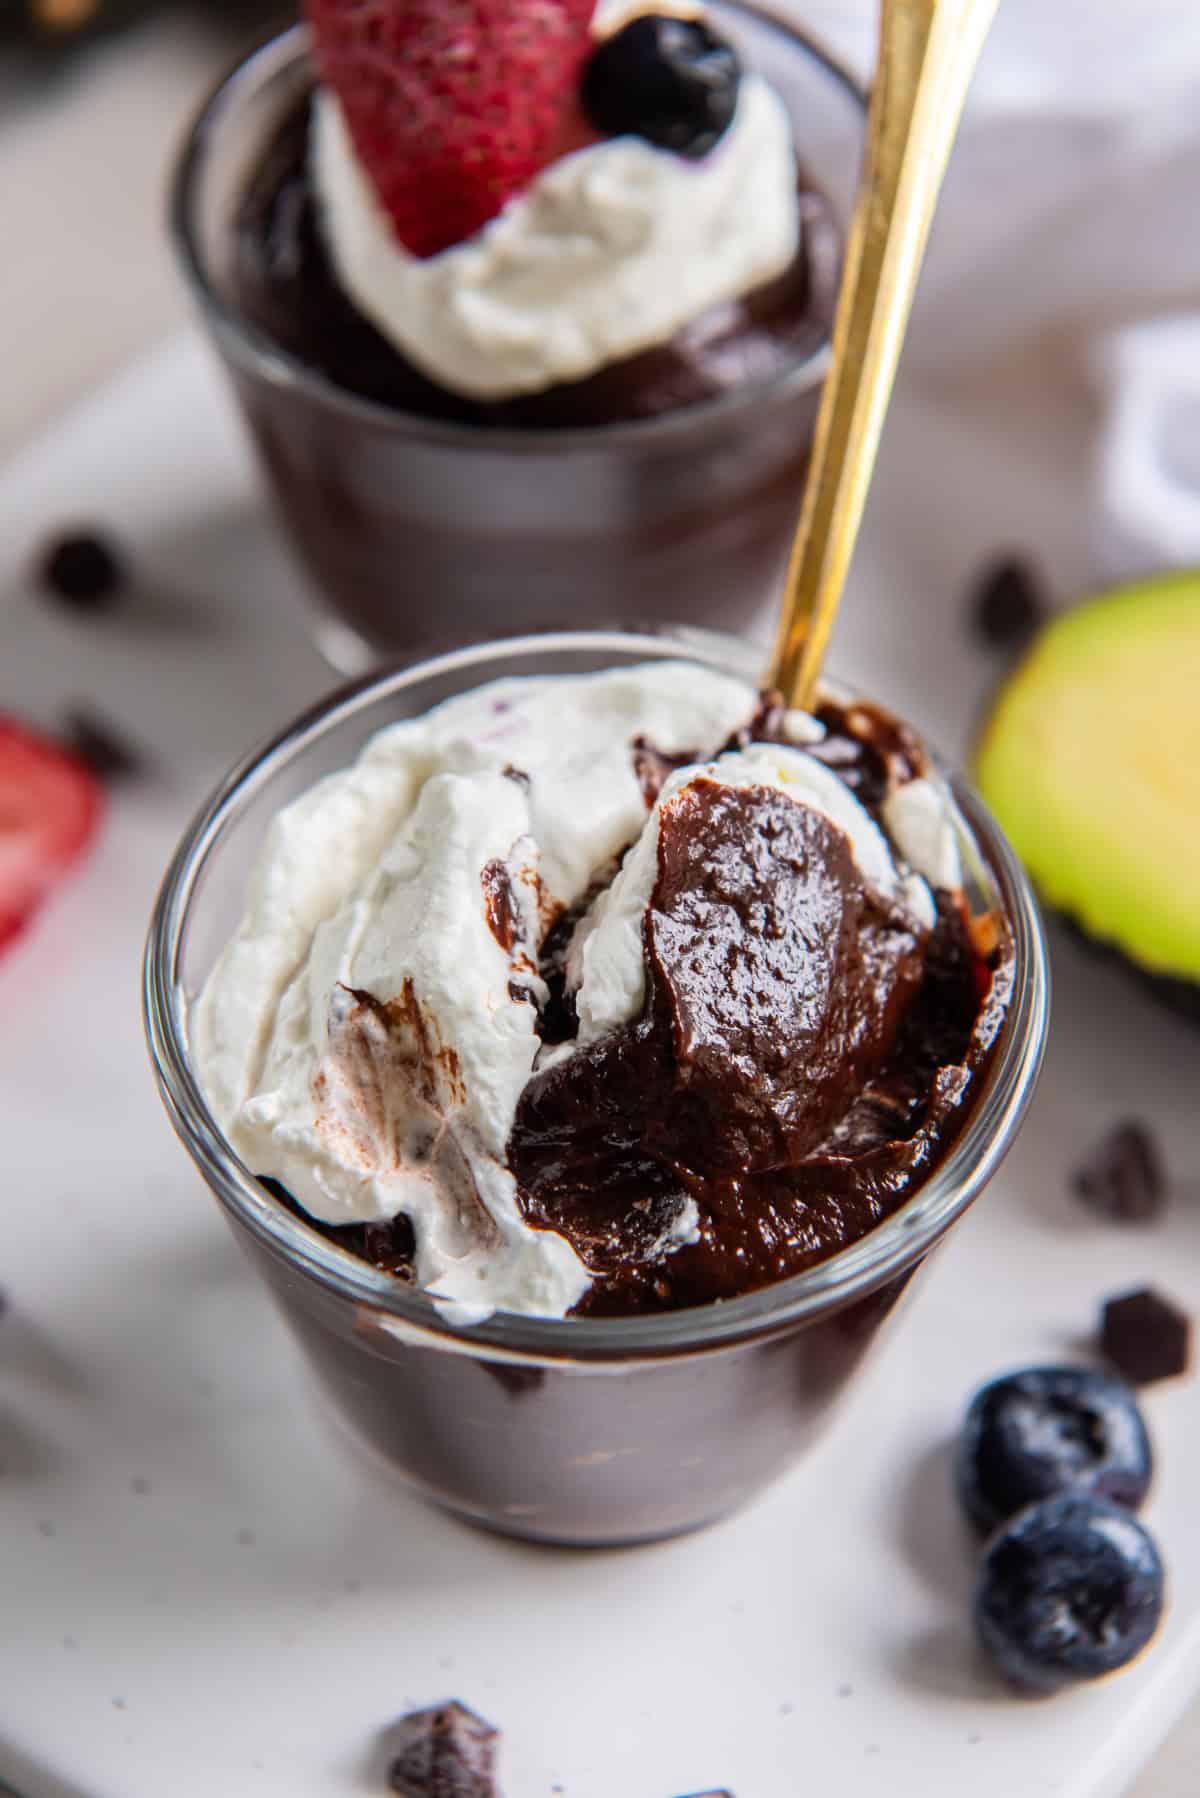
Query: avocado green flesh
(1090, 759)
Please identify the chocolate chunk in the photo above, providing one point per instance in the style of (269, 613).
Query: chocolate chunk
(1145, 1336)
(500, 904)
(82, 572)
(101, 745)
(1007, 604)
(445, 1752)
(1121, 1177)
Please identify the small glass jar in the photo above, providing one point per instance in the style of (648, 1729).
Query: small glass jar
(415, 530)
(585, 1431)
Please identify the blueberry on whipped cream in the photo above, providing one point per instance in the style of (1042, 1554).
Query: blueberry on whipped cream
(671, 80)
(605, 993)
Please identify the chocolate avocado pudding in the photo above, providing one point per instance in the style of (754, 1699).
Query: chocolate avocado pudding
(629, 1020)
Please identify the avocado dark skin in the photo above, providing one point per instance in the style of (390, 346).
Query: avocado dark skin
(1180, 996)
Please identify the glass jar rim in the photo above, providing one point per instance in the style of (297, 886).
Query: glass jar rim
(893, 1247)
(248, 344)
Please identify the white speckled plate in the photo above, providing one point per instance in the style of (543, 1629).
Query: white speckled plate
(202, 1592)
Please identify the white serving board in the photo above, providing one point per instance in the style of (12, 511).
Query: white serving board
(202, 1591)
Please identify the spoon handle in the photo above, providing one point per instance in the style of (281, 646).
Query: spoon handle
(927, 54)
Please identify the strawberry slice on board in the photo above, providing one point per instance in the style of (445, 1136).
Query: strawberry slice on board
(452, 105)
(50, 806)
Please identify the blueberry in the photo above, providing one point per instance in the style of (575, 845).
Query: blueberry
(1047, 1430)
(1068, 1590)
(672, 81)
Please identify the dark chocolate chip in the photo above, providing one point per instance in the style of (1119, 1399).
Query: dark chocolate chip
(445, 1752)
(82, 571)
(1007, 604)
(1122, 1177)
(1145, 1336)
(101, 745)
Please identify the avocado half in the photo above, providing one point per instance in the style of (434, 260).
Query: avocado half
(1090, 759)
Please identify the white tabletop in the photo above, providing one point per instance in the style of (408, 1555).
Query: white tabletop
(84, 165)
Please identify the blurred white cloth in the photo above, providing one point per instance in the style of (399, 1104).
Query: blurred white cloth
(1070, 224)
(1146, 510)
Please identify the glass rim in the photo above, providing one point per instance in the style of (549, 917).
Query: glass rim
(893, 1247)
(250, 345)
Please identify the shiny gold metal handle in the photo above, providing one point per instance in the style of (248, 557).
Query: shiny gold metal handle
(927, 54)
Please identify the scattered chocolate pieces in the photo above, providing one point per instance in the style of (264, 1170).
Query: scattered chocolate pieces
(1007, 604)
(445, 1752)
(1121, 1177)
(82, 571)
(1145, 1336)
(100, 744)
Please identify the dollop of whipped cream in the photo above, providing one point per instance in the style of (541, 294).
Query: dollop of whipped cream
(366, 1036)
(610, 250)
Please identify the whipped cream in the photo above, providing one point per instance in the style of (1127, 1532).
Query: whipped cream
(365, 1038)
(610, 250)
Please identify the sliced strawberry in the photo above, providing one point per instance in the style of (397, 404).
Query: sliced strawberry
(50, 805)
(452, 105)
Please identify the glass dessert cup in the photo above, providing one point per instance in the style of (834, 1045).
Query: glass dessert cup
(583, 1431)
(687, 515)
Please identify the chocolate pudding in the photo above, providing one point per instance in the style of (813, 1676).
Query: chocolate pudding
(633, 1023)
(286, 285)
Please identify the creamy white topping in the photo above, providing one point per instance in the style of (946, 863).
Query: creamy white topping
(372, 880)
(920, 823)
(364, 1039)
(610, 250)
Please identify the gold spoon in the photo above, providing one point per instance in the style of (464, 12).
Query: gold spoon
(927, 54)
